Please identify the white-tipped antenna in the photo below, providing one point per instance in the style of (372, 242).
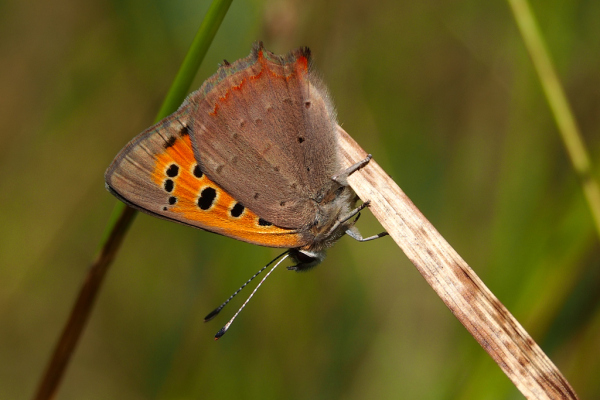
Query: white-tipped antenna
(217, 310)
(227, 325)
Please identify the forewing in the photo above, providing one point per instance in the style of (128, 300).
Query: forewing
(158, 174)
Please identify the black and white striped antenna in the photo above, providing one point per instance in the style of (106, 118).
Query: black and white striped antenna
(217, 310)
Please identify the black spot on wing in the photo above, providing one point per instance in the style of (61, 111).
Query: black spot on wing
(237, 210)
(263, 222)
(184, 131)
(198, 172)
(170, 142)
(207, 198)
(173, 171)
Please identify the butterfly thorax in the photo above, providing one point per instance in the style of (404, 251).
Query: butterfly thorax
(331, 219)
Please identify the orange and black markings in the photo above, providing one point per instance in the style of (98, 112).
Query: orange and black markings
(195, 197)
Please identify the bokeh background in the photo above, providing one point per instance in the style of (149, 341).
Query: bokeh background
(442, 93)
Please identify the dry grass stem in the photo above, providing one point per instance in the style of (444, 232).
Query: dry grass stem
(490, 323)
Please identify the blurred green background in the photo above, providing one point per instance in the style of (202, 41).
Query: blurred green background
(442, 93)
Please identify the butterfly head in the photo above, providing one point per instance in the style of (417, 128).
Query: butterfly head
(305, 260)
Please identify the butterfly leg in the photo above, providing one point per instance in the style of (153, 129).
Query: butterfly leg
(347, 217)
(342, 177)
(352, 213)
(355, 234)
(353, 231)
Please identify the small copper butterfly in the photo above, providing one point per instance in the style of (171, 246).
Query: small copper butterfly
(252, 155)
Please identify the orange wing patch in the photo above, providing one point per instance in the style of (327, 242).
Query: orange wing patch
(196, 200)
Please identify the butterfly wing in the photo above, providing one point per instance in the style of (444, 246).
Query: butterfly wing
(158, 174)
(263, 128)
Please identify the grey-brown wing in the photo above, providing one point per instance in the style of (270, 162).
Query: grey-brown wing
(263, 128)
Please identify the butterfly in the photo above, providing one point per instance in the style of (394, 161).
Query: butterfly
(251, 155)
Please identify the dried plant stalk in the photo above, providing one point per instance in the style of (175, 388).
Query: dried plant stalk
(490, 323)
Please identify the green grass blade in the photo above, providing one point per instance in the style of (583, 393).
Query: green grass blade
(123, 216)
(181, 84)
(558, 104)
(193, 59)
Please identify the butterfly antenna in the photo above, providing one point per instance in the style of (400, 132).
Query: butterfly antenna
(227, 325)
(217, 310)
